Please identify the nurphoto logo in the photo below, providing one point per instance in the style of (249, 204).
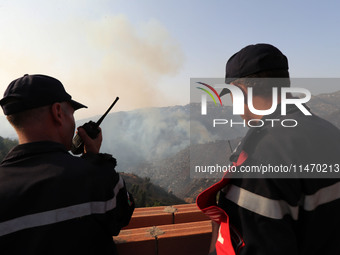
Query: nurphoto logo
(239, 102)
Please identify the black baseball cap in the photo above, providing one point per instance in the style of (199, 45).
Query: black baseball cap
(253, 59)
(33, 91)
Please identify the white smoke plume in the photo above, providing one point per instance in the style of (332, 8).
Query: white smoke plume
(96, 59)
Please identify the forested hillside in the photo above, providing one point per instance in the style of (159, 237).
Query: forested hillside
(147, 194)
(5, 145)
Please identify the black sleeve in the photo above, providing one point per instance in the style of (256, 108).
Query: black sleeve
(121, 215)
(264, 213)
(264, 210)
(119, 202)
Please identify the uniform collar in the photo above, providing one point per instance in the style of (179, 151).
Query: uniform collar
(29, 149)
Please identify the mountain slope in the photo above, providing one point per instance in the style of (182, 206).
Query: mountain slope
(173, 173)
(5, 146)
(327, 106)
(156, 133)
(147, 194)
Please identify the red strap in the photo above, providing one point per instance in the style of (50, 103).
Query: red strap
(223, 243)
(206, 202)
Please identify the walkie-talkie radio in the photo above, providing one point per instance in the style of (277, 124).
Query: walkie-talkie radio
(92, 131)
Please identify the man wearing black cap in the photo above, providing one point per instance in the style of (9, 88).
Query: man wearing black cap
(288, 215)
(53, 202)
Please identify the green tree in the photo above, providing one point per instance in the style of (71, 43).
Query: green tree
(6, 145)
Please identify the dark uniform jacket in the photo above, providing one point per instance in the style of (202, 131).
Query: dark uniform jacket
(298, 214)
(54, 203)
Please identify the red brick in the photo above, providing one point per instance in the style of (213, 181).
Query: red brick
(156, 216)
(179, 239)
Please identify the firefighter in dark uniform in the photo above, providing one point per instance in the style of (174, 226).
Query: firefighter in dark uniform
(51, 201)
(265, 216)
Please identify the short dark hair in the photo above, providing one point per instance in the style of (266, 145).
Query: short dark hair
(20, 119)
(263, 87)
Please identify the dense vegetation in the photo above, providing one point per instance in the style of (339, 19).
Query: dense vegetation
(146, 194)
(5, 146)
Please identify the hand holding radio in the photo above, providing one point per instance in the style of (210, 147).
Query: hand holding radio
(92, 131)
(91, 145)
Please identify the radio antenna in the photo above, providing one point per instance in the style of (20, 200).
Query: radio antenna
(231, 148)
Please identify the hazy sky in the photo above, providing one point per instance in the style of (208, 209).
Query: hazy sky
(146, 51)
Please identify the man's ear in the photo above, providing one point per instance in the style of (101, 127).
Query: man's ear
(243, 87)
(57, 113)
(244, 91)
